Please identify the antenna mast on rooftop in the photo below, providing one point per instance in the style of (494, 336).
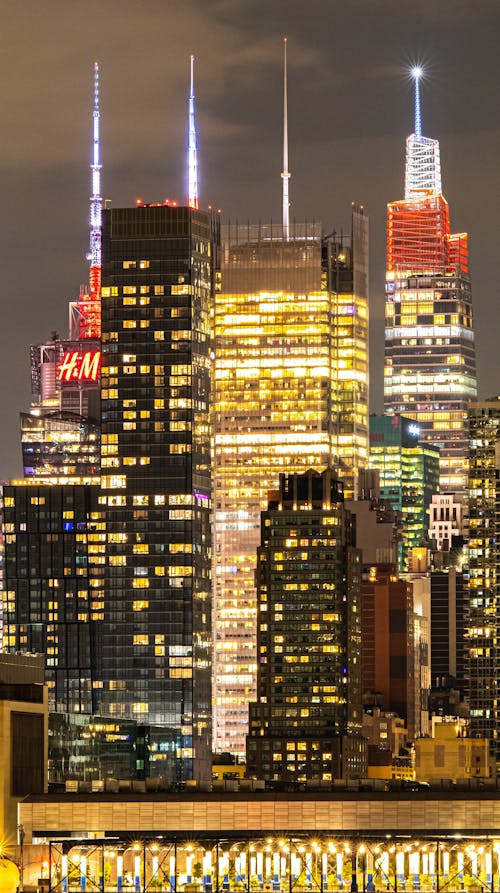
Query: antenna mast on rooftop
(192, 146)
(85, 314)
(285, 174)
(96, 198)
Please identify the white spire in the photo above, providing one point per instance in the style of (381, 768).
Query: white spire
(94, 255)
(423, 164)
(417, 74)
(192, 147)
(285, 174)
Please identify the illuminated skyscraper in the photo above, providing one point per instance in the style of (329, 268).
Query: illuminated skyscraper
(430, 366)
(483, 594)
(306, 721)
(409, 476)
(158, 279)
(290, 392)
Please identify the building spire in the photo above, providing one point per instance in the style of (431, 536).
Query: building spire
(423, 164)
(285, 174)
(417, 74)
(85, 314)
(96, 198)
(192, 146)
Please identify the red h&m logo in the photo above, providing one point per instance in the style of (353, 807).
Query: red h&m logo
(77, 366)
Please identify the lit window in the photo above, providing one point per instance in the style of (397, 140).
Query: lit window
(180, 499)
(113, 481)
(140, 707)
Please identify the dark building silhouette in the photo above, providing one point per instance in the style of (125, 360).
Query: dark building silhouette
(448, 629)
(306, 722)
(52, 537)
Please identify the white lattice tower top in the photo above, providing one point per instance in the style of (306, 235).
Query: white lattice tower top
(423, 164)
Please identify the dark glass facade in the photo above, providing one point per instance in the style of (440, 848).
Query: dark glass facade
(94, 748)
(159, 275)
(52, 542)
(483, 595)
(306, 722)
(409, 476)
(448, 629)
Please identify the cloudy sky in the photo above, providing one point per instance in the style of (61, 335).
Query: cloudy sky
(350, 108)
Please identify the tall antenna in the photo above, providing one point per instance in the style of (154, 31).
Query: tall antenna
(192, 147)
(96, 198)
(88, 307)
(285, 174)
(417, 73)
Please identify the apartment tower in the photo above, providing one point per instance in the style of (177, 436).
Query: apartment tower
(482, 592)
(306, 721)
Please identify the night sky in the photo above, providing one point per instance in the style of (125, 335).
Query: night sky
(350, 109)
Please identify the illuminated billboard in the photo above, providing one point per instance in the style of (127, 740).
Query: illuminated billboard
(79, 366)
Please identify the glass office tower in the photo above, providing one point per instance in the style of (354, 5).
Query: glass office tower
(291, 393)
(158, 279)
(409, 477)
(430, 365)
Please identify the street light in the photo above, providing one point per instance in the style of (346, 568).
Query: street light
(20, 836)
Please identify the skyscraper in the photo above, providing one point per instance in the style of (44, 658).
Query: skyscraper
(290, 392)
(409, 476)
(306, 722)
(430, 367)
(158, 278)
(482, 594)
